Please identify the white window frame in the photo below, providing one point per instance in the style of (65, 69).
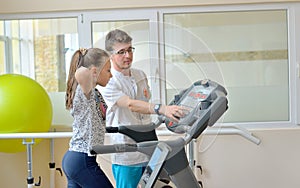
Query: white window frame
(157, 34)
(293, 10)
(27, 67)
(124, 15)
(7, 63)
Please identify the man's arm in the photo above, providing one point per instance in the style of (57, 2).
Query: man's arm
(172, 112)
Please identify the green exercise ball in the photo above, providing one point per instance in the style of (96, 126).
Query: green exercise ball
(25, 107)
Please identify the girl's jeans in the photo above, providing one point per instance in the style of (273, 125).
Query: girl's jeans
(83, 171)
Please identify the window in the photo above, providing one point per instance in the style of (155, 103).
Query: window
(39, 48)
(251, 50)
(245, 51)
(142, 26)
(2, 57)
(2, 48)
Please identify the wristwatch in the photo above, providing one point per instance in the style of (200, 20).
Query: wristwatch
(156, 108)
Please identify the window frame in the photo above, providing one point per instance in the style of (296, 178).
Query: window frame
(84, 19)
(28, 68)
(7, 63)
(293, 15)
(122, 15)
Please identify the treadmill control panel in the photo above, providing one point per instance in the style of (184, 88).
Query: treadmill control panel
(194, 99)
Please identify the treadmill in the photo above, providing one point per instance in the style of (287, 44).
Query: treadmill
(206, 102)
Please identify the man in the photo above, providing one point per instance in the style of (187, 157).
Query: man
(127, 95)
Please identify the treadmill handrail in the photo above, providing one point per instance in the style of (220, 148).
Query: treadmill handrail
(115, 148)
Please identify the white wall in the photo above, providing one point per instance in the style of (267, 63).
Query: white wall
(231, 162)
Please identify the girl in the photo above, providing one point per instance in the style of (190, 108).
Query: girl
(89, 67)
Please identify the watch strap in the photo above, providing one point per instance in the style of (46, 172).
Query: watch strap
(156, 108)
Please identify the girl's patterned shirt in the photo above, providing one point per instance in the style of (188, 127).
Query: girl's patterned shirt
(88, 124)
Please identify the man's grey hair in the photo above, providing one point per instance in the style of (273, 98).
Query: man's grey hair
(116, 36)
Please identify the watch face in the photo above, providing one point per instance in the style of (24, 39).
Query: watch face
(156, 108)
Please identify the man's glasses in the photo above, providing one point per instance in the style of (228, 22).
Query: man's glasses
(123, 51)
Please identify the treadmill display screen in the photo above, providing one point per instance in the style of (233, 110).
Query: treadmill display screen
(196, 95)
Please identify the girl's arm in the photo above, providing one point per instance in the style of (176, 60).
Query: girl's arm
(84, 78)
